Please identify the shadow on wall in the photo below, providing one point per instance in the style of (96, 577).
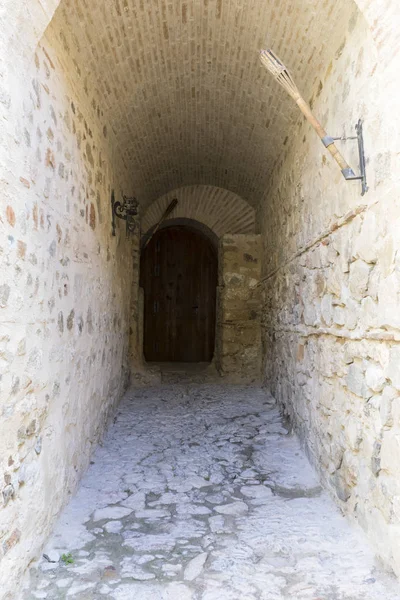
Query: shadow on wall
(331, 311)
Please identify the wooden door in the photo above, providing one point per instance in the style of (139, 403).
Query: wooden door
(179, 278)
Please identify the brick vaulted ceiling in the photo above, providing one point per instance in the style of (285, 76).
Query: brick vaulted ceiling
(180, 84)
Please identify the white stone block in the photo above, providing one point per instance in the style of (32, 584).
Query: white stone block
(365, 246)
(375, 378)
(355, 381)
(394, 367)
(358, 278)
(195, 567)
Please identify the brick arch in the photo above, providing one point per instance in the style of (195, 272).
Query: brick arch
(218, 209)
(183, 222)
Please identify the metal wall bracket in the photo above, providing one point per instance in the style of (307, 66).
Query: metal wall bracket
(126, 210)
(112, 213)
(349, 174)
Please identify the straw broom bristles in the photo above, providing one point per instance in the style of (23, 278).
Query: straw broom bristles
(275, 66)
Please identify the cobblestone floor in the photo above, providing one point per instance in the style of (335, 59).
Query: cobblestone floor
(200, 493)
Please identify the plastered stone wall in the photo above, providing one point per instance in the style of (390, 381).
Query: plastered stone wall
(331, 286)
(238, 335)
(64, 299)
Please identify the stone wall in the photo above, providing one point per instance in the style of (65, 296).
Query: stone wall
(331, 287)
(57, 148)
(64, 298)
(238, 340)
(140, 373)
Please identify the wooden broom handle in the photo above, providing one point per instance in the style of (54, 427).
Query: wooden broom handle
(166, 214)
(306, 110)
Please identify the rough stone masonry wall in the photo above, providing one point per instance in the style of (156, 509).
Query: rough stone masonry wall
(238, 338)
(64, 298)
(331, 286)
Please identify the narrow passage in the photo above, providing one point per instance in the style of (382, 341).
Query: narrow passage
(200, 493)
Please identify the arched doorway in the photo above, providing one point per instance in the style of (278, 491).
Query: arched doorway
(179, 279)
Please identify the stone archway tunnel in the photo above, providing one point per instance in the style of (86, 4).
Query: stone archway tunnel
(162, 100)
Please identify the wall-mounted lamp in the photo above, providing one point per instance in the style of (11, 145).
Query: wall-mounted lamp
(275, 66)
(127, 210)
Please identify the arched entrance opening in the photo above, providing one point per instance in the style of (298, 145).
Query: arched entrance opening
(74, 118)
(179, 269)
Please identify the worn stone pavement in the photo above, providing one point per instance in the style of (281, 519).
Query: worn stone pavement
(200, 493)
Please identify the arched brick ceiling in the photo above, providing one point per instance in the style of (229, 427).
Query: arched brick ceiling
(219, 209)
(180, 84)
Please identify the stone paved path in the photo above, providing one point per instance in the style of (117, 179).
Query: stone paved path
(199, 493)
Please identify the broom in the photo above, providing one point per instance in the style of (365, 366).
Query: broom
(276, 67)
